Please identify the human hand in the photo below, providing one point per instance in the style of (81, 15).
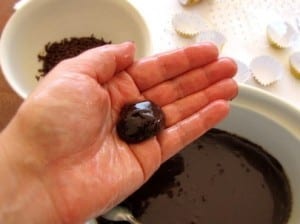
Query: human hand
(64, 135)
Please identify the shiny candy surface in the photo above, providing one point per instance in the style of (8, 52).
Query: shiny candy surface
(140, 121)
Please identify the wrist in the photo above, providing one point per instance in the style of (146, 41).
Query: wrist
(23, 198)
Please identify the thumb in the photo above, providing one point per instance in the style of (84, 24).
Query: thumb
(100, 63)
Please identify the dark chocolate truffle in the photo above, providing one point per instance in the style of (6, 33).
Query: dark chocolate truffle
(140, 121)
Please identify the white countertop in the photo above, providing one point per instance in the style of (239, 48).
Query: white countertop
(243, 22)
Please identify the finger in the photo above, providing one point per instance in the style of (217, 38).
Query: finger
(100, 63)
(181, 109)
(151, 71)
(191, 82)
(176, 137)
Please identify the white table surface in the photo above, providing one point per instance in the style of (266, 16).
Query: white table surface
(243, 22)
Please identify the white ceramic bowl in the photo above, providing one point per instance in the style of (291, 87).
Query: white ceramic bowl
(42, 21)
(274, 125)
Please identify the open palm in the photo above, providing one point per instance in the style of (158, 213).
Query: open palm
(71, 120)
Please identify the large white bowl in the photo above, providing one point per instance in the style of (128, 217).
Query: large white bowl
(273, 124)
(40, 21)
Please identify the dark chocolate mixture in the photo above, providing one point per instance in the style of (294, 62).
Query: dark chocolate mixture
(219, 179)
(66, 48)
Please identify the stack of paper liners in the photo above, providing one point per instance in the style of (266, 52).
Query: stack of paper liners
(280, 34)
(214, 37)
(295, 64)
(188, 24)
(266, 70)
(188, 2)
(243, 73)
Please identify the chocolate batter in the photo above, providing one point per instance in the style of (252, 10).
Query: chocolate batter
(219, 179)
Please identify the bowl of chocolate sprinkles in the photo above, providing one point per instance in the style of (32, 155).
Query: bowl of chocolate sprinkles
(55, 52)
(41, 34)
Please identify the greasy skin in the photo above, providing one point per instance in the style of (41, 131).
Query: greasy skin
(64, 135)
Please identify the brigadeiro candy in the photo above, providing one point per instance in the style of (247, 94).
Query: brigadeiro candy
(140, 121)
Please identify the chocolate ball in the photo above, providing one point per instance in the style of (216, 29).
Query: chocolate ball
(140, 121)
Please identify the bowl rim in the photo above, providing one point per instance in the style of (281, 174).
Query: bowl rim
(274, 107)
